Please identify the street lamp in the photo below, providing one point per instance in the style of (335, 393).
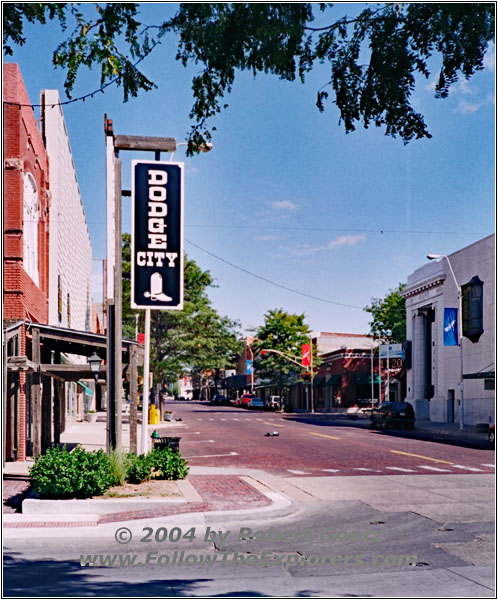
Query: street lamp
(438, 257)
(95, 361)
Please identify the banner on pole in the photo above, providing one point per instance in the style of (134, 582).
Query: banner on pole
(157, 235)
(306, 355)
(450, 333)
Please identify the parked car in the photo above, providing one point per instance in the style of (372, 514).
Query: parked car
(219, 399)
(491, 434)
(244, 399)
(256, 403)
(274, 402)
(393, 413)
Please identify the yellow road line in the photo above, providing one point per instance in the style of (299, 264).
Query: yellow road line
(424, 457)
(273, 424)
(323, 435)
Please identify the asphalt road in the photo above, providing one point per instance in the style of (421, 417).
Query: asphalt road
(361, 536)
(226, 436)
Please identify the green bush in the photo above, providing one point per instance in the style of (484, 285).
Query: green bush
(77, 474)
(139, 469)
(157, 464)
(169, 464)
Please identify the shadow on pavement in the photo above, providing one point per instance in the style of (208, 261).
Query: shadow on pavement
(453, 439)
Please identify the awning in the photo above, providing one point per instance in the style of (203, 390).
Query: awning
(334, 380)
(87, 390)
(480, 375)
(318, 381)
(366, 378)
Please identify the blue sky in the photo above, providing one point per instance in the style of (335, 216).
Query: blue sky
(285, 193)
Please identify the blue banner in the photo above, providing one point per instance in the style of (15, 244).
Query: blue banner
(249, 367)
(450, 333)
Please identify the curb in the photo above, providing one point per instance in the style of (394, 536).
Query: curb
(191, 506)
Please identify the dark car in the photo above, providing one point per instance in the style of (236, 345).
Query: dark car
(491, 434)
(390, 414)
(219, 399)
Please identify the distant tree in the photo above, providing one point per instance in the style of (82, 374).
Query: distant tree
(389, 316)
(373, 57)
(195, 340)
(285, 333)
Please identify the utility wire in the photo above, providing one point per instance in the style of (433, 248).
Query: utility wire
(90, 94)
(284, 287)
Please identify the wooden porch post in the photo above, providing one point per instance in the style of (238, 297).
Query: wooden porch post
(36, 393)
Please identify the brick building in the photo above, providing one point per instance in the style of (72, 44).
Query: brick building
(26, 203)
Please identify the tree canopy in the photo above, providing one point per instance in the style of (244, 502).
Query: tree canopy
(285, 333)
(195, 340)
(373, 57)
(389, 316)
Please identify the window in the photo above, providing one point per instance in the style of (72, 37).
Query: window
(472, 326)
(30, 227)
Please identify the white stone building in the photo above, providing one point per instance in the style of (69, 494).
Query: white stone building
(70, 250)
(433, 380)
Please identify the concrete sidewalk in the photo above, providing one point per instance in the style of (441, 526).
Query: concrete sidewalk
(206, 491)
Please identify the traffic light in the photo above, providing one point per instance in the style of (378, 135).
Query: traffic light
(306, 376)
(263, 352)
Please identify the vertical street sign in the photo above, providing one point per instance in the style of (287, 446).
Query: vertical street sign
(157, 235)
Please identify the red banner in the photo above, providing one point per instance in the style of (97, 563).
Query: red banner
(306, 355)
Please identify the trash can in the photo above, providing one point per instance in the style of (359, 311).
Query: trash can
(168, 442)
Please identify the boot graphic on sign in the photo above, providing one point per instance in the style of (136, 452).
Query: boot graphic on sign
(156, 289)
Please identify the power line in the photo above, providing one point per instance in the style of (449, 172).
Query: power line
(90, 94)
(279, 285)
(338, 229)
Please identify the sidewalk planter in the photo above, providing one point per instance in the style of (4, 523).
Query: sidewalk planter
(91, 417)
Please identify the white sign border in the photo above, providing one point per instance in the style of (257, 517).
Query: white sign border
(181, 165)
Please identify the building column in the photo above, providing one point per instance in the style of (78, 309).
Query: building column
(419, 367)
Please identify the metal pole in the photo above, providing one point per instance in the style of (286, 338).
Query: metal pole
(460, 341)
(380, 375)
(312, 400)
(145, 395)
(372, 372)
(118, 309)
(388, 376)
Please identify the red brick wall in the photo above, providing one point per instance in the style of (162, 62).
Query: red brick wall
(23, 152)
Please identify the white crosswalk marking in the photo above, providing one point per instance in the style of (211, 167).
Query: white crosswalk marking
(434, 469)
(400, 469)
(467, 468)
(297, 472)
(331, 470)
(362, 469)
(486, 465)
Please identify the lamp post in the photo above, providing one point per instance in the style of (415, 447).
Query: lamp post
(95, 361)
(438, 257)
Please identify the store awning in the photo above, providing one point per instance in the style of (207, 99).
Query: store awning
(318, 381)
(334, 380)
(480, 375)
(86, 389)
(366, 378)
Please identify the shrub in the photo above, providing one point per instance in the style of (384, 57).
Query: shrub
(169, 464)
(139, 469)
(77, 474)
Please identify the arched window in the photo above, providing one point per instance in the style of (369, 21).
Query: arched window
(30, 229)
